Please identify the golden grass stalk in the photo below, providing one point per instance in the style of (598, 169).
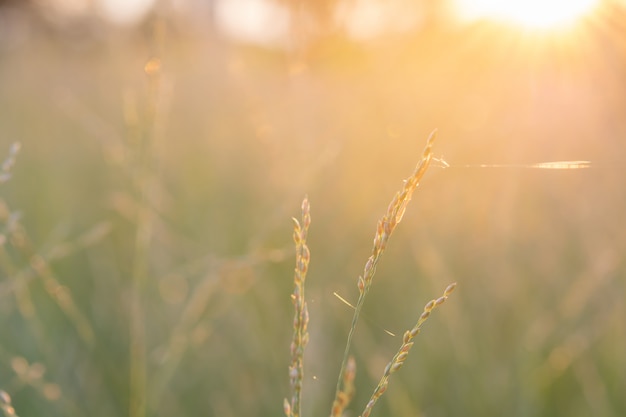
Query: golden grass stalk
(402, 353)
(386, 226)
(344, 397)
(301, 316)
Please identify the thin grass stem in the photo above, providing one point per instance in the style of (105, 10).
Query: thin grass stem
(301, 315)
(386, 226)
(402, 353)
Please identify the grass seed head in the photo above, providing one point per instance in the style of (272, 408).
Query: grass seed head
(449, 289)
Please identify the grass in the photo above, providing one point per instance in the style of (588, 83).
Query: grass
(345, 382)
(171, 234)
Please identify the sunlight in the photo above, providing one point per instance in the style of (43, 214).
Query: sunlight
(124, 12)
(257, 21)
(532, 14)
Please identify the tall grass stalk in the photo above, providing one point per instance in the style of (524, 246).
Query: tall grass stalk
(301, 317)
(345, 383)
(402, 353)
(386, 226)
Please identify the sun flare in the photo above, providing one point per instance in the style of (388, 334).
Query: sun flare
(531, 14)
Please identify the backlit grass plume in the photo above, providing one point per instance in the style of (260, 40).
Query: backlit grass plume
(301, 317)
(386, 225)
(400, 356)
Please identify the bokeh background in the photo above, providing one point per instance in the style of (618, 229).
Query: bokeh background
(146, 260)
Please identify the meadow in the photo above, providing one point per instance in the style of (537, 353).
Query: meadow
(146, 252)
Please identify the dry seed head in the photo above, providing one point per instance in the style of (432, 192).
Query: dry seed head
(393, 222)
(378, 236)
(303, 266)
(287, 407)
(394, 202)
(385, 227)
(383, 387)
(342, 399)
(296, 230)
(377, 243)
(388, 227)
(306, 212)
(400, 357)
(369, 265)
(350, 369)
(383, 243)
(293, 373)
(387, 369)
(401, 210)
(301, 317)
(449, 289)
(395, 367)
(305, 315)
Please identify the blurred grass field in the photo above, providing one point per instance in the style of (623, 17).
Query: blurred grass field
(146, 259)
